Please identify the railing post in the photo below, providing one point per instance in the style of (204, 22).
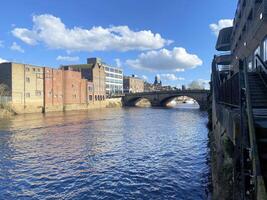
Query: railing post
(242, 98)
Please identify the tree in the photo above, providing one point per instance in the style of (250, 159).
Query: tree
(4, 90)
(197, 85)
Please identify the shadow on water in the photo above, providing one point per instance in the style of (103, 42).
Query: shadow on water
(133, 153)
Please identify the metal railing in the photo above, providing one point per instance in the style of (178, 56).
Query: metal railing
(235, 92)
(228, 91)
(261, 69)
(257, 178)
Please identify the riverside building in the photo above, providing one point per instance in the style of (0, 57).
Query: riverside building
(94, 72)
(26, 86)
(44, 89)
(239, 88)
(113, 77)
(133, 84)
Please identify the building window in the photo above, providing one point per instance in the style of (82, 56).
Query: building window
(96, 97)
(38, 93)
(28, 95)
(28, 79)
(90, 97)
(33, 69)
(27, 69)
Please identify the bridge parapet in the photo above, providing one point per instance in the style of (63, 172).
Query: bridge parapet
(161, 98)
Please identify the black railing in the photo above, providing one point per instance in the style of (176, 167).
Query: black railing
(229, 91)
(261, 68)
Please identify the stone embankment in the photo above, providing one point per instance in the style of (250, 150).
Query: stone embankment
(8, 111)
(113, 103)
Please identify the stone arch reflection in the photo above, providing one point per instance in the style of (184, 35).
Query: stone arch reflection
(180, 101)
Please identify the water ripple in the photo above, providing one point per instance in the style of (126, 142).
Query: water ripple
(110, 154)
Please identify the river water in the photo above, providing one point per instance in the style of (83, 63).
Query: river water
(129, 153)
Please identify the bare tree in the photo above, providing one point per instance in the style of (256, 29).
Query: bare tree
(4, 90)
(197, 85)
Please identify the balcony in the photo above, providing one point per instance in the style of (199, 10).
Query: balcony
(224, 39)
(224, 59)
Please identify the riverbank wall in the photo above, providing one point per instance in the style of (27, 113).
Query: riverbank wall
(224, 138)
(19, 109)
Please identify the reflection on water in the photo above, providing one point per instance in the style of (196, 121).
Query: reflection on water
(105, 154)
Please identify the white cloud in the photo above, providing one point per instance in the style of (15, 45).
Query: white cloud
(68, 58)
(223, 23)
(144, 77)
(16, 47)
(51, 31)
(199, 84)
(118, 62)
(3, 60)
(177, 59)
(170, 77)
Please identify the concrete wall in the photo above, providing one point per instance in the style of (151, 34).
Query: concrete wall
(224, 143)
(249, 29)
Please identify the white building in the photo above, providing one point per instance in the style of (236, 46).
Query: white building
(114, 80)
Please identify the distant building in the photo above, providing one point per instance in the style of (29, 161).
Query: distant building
(113, 78)
(26, 85)
(132, 84)
(93, 72)
(157, 81)
(148, 87)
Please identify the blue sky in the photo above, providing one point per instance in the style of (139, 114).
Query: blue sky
(146, 37)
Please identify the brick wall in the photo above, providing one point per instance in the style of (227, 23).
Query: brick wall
(53, 87)
(74, 87)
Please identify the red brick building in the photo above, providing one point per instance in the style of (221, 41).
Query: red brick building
(53, 87)
(75, 88)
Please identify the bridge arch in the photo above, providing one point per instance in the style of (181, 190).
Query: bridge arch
(164, 102)
(136, 100)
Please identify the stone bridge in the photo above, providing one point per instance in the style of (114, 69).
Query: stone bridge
(162, 98)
